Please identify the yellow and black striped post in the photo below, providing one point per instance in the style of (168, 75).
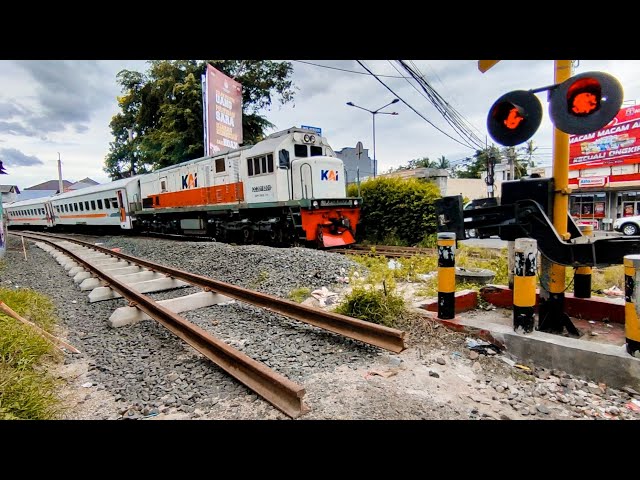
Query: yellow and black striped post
(582, 279)
(524, 284)
(631, 323)
(446, 275)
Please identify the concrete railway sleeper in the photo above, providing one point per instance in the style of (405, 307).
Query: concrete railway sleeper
(112, 267)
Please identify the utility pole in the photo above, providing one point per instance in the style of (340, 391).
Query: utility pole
(552, 276)
(60, 184)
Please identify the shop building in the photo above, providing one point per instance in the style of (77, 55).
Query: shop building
(604, 171)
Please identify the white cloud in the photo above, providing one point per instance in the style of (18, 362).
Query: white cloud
(51, 106)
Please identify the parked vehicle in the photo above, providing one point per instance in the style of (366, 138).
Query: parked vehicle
(627, 225)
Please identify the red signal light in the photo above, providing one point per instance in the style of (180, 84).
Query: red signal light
(585, 103)
(514, 118)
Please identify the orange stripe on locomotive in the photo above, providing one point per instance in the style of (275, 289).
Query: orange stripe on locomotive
(227, 193)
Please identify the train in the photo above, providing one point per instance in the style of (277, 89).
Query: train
(288, 189)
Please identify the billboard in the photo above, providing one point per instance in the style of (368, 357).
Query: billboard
(222, 111)
(616, 143)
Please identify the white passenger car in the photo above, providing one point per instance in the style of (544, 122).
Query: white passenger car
(35, 212)
(107, 204)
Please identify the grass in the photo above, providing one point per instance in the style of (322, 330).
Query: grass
(27, 391)
(262, 277)
(299, 294)
(381, 306)
(368, 303)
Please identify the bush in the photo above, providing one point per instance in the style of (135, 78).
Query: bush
(396, 210)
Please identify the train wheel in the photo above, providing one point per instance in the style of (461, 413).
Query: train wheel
(276, 236)
(247, 235)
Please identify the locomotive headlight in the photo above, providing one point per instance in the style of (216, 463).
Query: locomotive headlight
(314, 204)
(355, 203)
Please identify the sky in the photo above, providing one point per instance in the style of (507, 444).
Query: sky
(61, 109)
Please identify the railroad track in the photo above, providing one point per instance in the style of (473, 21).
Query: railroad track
(385, 251)
(108, 274)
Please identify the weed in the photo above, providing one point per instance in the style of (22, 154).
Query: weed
(299, 294)
(381, 306)
(26, 390)
(262, 277)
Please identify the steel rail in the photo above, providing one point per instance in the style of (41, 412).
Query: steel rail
(381, 336)
(278, 390)
(385, 251)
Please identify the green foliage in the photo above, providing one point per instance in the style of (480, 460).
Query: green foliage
(429, 241)
(397, 210)
(31, 305)
(26, 390)
(164, 108)
(425, 162)
(299, 294)
(262, 277)
(381, 306)
(27, 395)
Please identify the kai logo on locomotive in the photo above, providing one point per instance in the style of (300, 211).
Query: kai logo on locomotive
(190, 180)
(329, 175)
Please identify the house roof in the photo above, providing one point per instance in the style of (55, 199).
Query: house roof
(50, 185)
(88, 181)
(31, 194)
(80, 185)
(9, 189)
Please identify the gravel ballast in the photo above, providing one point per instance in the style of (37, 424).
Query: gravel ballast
(144, 371)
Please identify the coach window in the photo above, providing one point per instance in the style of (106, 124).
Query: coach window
(264, 164)
(163, 184)
(256, 166)
(81, 206)
(106, 204)
(99, 204)
(86, 205)
(250, 167)
(114, 203)
(220, 165)
(300, 151)
(93, 204)
(270, 163)
(315, 151)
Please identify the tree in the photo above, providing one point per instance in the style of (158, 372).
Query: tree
(423, 162)
(443, 163)
(478, 163)
(164, 109)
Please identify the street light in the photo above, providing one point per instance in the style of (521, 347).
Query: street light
(373, 113)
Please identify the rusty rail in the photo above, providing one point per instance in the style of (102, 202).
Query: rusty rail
(273, 387)
(384, 337)
(388, 251)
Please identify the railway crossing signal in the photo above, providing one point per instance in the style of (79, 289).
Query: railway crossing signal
(581, 104)
(514, 118)
(585, 103)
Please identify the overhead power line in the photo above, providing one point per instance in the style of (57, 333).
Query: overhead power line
(344, 69)
(417, 113)
(453, 118)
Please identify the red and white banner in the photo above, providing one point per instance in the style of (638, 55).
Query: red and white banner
(222, 111)
(615, 144)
